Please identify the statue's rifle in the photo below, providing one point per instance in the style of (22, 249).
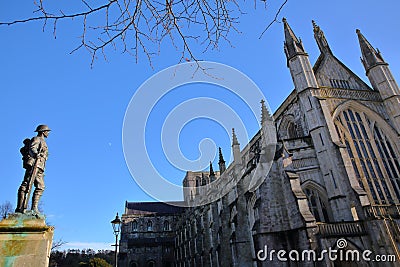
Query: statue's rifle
(32, 176)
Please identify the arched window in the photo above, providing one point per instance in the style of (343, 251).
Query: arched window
(288, 129)
(151, 264)
(134, 226)
(149, 226)
(291, 130)
(318, 206)
(133, 264)
(374, 158)
(166, 226)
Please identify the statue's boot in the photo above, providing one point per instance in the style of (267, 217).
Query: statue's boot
(20, 201)
(35, 202)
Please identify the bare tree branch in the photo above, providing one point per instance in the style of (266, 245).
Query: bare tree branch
(57, 244)
(47, 16)
(139, 26)
(275, 19)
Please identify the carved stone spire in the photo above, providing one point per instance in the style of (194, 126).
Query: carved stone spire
(234, 138)
(236, 148)
(212, 173)
(370, 56)
(298, 62)
(381, 79)
(293, 46)
(221, 161)
(321, 40)
(265, 115)
(221, 157)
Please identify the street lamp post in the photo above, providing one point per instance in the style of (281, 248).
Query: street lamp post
(116, 224)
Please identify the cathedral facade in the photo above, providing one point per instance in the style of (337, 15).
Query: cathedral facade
(330, 198)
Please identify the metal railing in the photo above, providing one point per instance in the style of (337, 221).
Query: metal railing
(383, 211)
(341, 229)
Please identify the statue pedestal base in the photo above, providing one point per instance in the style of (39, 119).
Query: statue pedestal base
(25, 240)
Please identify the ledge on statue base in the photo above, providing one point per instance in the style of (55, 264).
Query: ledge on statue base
(25, 240)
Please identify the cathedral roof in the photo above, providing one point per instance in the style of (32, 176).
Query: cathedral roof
(328, 65)
(147, 208)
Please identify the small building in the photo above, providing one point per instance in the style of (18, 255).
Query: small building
(148, 234)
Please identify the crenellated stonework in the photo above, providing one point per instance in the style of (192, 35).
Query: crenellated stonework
(347, 94)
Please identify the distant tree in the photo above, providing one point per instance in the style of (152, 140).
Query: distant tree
(5, 209)
(56, 258)
(80, 258)
(141, 26)
(97, 262)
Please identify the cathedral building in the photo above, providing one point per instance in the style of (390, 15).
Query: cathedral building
(330, 198)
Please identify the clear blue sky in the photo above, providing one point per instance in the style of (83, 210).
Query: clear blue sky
(87, 180)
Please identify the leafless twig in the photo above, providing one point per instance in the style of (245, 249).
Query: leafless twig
(138, 26)
(57, 244)
(275, 18)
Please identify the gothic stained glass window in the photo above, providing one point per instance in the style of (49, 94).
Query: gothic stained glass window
(134, 226)
(373, 157)
(317, 205)
(389, 159)
(149, 226)
(166, 226)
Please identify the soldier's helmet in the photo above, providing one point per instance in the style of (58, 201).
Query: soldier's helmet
(42, 128)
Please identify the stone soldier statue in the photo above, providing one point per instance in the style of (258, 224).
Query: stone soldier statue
(34, 156)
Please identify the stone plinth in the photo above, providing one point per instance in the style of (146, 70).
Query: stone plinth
(25, 240)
